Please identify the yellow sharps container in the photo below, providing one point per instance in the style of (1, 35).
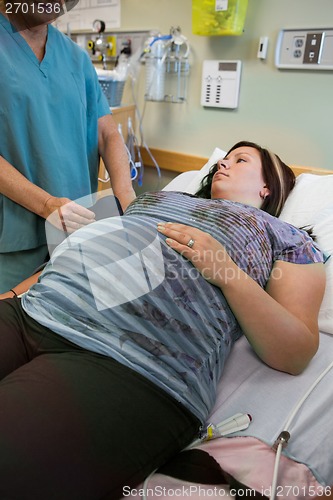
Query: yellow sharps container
(218, 17)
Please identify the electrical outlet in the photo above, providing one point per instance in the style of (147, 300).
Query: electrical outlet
(298, 47)
(305, 49)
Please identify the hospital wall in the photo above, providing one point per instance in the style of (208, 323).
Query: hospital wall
(289, 111)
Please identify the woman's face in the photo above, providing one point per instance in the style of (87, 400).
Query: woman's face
(239, 178)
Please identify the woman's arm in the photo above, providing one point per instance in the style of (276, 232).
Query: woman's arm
(281, 322)
(21, 287)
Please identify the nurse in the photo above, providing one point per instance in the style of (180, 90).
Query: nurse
(55, 124)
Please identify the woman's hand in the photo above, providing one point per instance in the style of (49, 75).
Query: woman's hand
(67, 215)
(205, 252)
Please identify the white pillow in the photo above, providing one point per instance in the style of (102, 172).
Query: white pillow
(311, 194)
(323, 231)
(181, 182)
(189, 182)
(310, 205)
(194, 185)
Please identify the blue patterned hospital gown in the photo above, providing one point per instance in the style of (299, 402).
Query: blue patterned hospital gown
(116, 288)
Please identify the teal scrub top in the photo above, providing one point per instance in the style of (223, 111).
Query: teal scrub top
(49, 114)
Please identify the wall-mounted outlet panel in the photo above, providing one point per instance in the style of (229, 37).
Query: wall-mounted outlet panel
(305, 49)
(220, 84)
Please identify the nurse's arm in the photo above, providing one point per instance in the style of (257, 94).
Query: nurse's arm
(112, 150)
(19, 189)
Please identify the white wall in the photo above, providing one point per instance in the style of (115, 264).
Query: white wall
(287, 111)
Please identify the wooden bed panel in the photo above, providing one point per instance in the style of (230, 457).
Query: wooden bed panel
(180, 162)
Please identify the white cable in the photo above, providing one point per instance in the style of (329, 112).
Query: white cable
(276, 470)
(289, 420)
(308, 392)
(140, 120)
(106, 179)
(131, 148)
(145, 485)
(133, 167)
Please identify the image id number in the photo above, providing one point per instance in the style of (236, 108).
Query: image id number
(33, 8)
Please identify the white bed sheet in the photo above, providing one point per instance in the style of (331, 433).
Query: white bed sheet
(269, 396)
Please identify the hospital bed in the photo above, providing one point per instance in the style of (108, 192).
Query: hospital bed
(273, 464)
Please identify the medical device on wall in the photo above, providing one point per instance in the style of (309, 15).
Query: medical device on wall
(310, 49)
(101, 45)
(117, 42)
(220, 84)
(218, 17)
(167, 67)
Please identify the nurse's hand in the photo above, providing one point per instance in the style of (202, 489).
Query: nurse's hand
(66, 215)
(205, 252)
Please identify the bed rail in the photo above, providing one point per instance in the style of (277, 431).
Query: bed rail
(180, 162)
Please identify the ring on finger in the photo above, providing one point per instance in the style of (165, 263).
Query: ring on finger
(190, 243)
